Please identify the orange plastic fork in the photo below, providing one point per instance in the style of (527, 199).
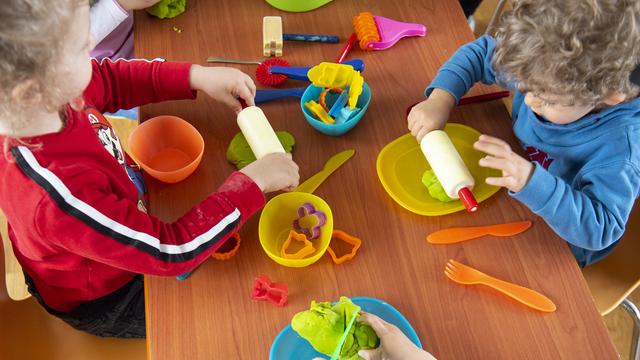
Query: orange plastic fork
(466, 275)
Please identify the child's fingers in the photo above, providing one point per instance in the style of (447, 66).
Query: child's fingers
(232, 102)
(412, 118)
(424, 131)
(507, 181)
(491, 148)
(494, 140)
(496, 163)
(415, 129)
(374, 354)
(245, 93)
(379, 326)
(251, 85)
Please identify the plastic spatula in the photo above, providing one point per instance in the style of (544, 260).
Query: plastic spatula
(336, 352)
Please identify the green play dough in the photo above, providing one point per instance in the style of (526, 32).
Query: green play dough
(324, 323)
(239, 153)
(167, 9)
(436, 190)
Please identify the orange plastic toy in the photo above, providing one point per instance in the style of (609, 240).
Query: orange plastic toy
(167, 148)
(307, 250)
(467, 275)
(459, 234)
(322, 99)
(351, 240)
(221, 254)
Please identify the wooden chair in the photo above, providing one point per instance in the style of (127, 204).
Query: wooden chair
(494, 18)
(613, 279)
(13, 275)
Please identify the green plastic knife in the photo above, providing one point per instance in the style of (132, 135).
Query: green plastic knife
(336, 352)
(334, 162)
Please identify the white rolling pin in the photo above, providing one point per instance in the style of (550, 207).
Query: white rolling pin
(259, 134)
(449, 168)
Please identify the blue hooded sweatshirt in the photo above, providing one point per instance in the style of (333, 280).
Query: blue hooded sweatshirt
(587, 173)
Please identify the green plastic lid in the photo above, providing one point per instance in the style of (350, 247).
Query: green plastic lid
(297, 5)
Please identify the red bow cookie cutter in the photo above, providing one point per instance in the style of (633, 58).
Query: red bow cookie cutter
(351, 240)
(222, 253)
(305, 251)
(264, 289)
(307, 209)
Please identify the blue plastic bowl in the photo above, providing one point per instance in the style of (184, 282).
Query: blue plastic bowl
(288, 345)
(313, 92)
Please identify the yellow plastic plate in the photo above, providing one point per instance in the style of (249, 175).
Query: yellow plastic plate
(401, 164)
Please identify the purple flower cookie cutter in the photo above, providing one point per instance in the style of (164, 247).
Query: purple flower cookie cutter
(307, 209)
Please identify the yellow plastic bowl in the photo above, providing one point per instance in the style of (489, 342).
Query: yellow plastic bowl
(276, 221)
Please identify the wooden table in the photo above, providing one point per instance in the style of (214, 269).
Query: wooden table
(211, 316)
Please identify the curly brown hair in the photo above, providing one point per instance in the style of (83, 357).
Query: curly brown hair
(584, 49)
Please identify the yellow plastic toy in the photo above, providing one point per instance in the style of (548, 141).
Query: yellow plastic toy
(332, 75)
(317, 110)
(275, 225)
(400, 166)
(305, 251)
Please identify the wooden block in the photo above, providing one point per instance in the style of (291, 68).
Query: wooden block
(272, 35)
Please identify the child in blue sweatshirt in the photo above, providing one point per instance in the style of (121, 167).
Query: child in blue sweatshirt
(575, 112)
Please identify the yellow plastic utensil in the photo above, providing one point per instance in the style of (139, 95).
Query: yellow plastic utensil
(330, 166)
(467, 275)
(459, 234)
(400, 166)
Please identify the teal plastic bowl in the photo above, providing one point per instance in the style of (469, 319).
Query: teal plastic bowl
(313, 92)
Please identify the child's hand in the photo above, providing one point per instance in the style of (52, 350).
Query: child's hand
(224, 84)
(394, 345)
(431, 114)
(137, 4)
(516, 170)
(273, 172)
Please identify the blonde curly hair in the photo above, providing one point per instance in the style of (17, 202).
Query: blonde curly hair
(583, 49)
(32, 40)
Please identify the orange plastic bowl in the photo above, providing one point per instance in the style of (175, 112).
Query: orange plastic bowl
(167, 148)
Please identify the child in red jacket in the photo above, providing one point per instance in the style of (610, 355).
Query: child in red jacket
(76, 219)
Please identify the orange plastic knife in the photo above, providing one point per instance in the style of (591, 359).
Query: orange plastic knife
(459, 234)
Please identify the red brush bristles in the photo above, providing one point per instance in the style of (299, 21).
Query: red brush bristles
(265, 77)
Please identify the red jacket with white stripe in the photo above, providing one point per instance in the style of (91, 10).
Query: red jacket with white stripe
(75, 223)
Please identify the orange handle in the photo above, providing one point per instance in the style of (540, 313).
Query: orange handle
(522, 294)
(458, 234)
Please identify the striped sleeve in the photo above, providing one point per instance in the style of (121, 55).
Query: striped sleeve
(82, 216)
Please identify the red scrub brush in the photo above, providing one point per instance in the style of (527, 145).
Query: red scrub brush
(266, 77)
(263, 73)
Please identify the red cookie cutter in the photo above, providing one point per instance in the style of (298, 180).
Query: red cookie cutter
(307, 250)
(351, 240)
(264, 289)
(307, 209)
(222, 253)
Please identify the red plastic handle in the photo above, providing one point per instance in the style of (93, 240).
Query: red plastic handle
(468, 200)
